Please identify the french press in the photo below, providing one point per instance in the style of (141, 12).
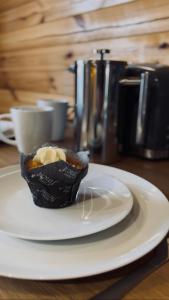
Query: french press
(96, 97)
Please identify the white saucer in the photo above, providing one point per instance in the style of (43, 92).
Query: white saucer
(7, 128)
(102, 202)
(135, 236)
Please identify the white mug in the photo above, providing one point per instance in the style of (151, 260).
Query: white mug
(32, 127)
(59, 116)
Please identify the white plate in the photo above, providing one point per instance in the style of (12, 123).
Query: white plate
(102, 202)
(115, 247)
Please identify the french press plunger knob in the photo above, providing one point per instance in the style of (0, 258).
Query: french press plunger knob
(102, 52)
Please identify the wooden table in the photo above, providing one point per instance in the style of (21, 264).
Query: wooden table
(155, 287)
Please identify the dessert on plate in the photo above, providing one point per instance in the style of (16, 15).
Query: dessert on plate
(54, 175)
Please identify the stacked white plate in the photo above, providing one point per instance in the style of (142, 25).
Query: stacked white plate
(117, 218)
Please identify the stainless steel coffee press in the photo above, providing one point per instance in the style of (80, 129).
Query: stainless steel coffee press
(96, 97)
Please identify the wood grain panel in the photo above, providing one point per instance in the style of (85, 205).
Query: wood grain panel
(107, 23)
(50, 10)
(58, 82)
(88, 36)
(20, 12)
(10, 97)
(44, 70)
(6, 5)
(7, 99)
(134, 49)
(39, 39)
(43, 28)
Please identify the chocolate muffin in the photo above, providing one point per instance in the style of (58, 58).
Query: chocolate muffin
(54, 175)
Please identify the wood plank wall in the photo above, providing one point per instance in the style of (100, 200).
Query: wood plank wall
(39, 39)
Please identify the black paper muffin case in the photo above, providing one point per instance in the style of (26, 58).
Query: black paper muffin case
(54, 185)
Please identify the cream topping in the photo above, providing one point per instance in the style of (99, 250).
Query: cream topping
(48, 155)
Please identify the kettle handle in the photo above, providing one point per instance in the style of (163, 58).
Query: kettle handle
(142, 103)
(141, 115)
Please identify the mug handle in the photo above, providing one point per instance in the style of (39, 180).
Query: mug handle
(2, 136)
(70, 124)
